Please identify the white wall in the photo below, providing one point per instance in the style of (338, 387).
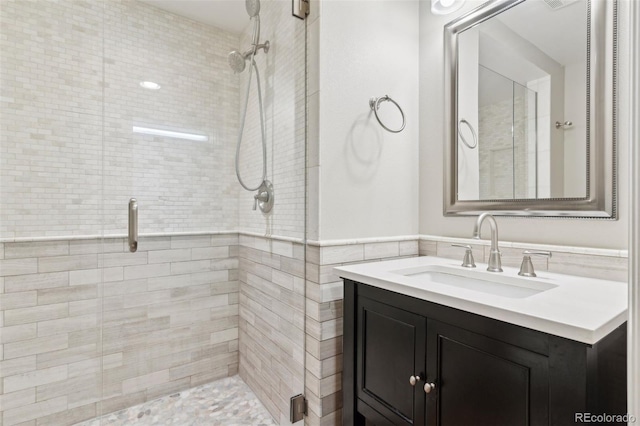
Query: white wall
(544, 130)
(363, 179)
(578, 232)
(575, 137)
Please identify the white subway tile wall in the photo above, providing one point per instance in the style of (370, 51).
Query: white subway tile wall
(504, 158)
(282, 76)
(71, 351)
(70, 98)
(181, 185)
(51, 126)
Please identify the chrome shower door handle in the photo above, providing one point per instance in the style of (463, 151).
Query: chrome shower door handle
(133, 225)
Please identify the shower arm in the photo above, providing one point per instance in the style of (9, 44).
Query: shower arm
(254, 49)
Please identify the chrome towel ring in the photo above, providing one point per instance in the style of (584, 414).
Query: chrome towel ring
(473, 132)
(374, 103)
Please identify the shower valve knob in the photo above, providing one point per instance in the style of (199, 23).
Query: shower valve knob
(264, 197)
(260, 196)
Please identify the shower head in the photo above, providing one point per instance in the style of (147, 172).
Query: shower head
(253, 7)
(236, 61)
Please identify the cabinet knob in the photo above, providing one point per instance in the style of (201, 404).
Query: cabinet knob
(413, 380)
(428, 387)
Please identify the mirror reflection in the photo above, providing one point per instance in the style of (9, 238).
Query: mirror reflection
(522, 103)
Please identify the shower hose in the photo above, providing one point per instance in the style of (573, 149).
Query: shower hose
(262, 128)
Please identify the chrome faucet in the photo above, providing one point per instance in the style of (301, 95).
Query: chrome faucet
(495, 262)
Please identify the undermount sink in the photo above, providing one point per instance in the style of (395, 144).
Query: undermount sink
(477, 280)
(577, 308)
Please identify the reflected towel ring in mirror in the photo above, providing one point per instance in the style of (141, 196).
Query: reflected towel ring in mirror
(374, 103)
(473, 132)
(564, 125)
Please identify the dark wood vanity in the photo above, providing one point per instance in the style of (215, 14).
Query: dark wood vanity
(408, 361)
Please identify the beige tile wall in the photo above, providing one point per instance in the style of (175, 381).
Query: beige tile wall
(323, 376)
(168, 316)
(580, 261)
(186, 310)
(272, 319)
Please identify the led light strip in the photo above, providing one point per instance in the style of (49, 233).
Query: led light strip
(170, 134)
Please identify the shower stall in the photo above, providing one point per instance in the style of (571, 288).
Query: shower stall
(105, 101)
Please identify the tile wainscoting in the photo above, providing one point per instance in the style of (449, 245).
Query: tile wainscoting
(324, 295)
(323, 378)
(272, 297)
(188, 309)
(580, 261)
(89, 328)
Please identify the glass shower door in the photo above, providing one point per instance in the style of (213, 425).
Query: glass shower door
(212, 300)
(104, 102)
(170, 110)
(508, 130)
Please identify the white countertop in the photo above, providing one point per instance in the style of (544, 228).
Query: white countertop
(577, 308)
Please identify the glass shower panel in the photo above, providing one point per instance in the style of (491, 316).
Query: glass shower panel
(271, 246)
(215, 289)
(495, 121)
(51, 252)
(524, 142)
(171, 110)
(507, 117)
(106, 101)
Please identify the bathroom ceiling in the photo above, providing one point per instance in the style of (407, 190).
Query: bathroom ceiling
(564, 35)
(229, 15)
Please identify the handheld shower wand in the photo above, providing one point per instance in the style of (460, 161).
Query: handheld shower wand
(238, 62)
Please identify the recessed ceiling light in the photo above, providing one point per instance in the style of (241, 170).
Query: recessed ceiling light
(443, 7)
(150, 85)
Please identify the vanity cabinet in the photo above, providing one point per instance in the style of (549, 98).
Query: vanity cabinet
(391, 350)
(408, 361)
(485, 382)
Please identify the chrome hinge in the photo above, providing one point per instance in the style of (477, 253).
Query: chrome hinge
(298, 408)
(300, 8)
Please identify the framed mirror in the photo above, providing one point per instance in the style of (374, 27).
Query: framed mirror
(530, 105)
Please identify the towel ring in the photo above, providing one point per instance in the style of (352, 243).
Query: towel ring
(473, 132)
(374, 103)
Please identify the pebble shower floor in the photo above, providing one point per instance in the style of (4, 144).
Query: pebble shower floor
(226, 402)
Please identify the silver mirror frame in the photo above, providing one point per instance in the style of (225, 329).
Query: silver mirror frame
(602, 180)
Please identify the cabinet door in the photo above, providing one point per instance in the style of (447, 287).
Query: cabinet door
(390, 349)
(481, 381)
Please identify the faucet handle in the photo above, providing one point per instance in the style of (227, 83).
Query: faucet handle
(526, 269)
(262, 196)
(468, 261)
